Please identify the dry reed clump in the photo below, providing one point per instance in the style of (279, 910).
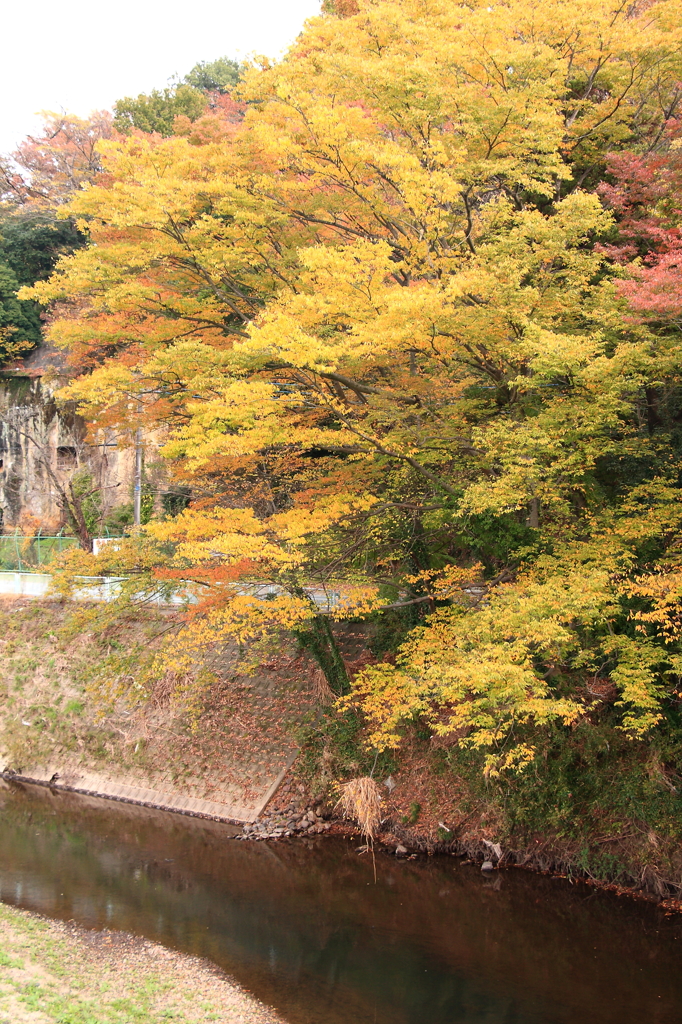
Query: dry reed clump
(322, 691)
(162, 689)
(361, 800)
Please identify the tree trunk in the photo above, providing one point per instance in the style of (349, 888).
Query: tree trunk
(74, 510)
(72, 506)
(653, 417)
(319, 639)
(534, 514)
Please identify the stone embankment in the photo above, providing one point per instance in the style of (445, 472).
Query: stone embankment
(58, 727)
(293, 821)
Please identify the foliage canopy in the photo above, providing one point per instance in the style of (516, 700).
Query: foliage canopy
(220, 75)
(384, 318)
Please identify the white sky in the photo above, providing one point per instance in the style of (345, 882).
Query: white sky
(82, 55)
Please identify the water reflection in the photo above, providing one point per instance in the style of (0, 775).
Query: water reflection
(305, 927)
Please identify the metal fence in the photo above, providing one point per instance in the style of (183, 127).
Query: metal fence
(18, 552)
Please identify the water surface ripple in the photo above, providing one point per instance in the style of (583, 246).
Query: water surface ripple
(306, 929)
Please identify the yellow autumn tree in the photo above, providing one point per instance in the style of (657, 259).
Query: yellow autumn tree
(377, 327)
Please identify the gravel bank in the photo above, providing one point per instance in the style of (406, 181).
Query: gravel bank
(52, 972)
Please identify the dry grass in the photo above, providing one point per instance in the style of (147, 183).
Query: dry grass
(360, 800)
(322, 691)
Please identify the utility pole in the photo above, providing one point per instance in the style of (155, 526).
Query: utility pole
(137, 492)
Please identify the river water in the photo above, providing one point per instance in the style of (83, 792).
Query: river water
(304, 926)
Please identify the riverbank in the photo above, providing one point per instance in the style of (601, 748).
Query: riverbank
(55, 972)
(594, 805)
(294, 815)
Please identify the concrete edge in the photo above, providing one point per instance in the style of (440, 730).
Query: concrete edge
(276, 784)
(55, 787)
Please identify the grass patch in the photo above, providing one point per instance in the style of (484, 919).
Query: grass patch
(86, 978)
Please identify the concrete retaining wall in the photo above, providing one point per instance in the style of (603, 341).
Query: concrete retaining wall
(106, 588)
(230, 805)
(95, 588)
(25, 584)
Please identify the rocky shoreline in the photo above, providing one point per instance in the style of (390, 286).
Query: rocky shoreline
(310, 821)
(294, 819)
